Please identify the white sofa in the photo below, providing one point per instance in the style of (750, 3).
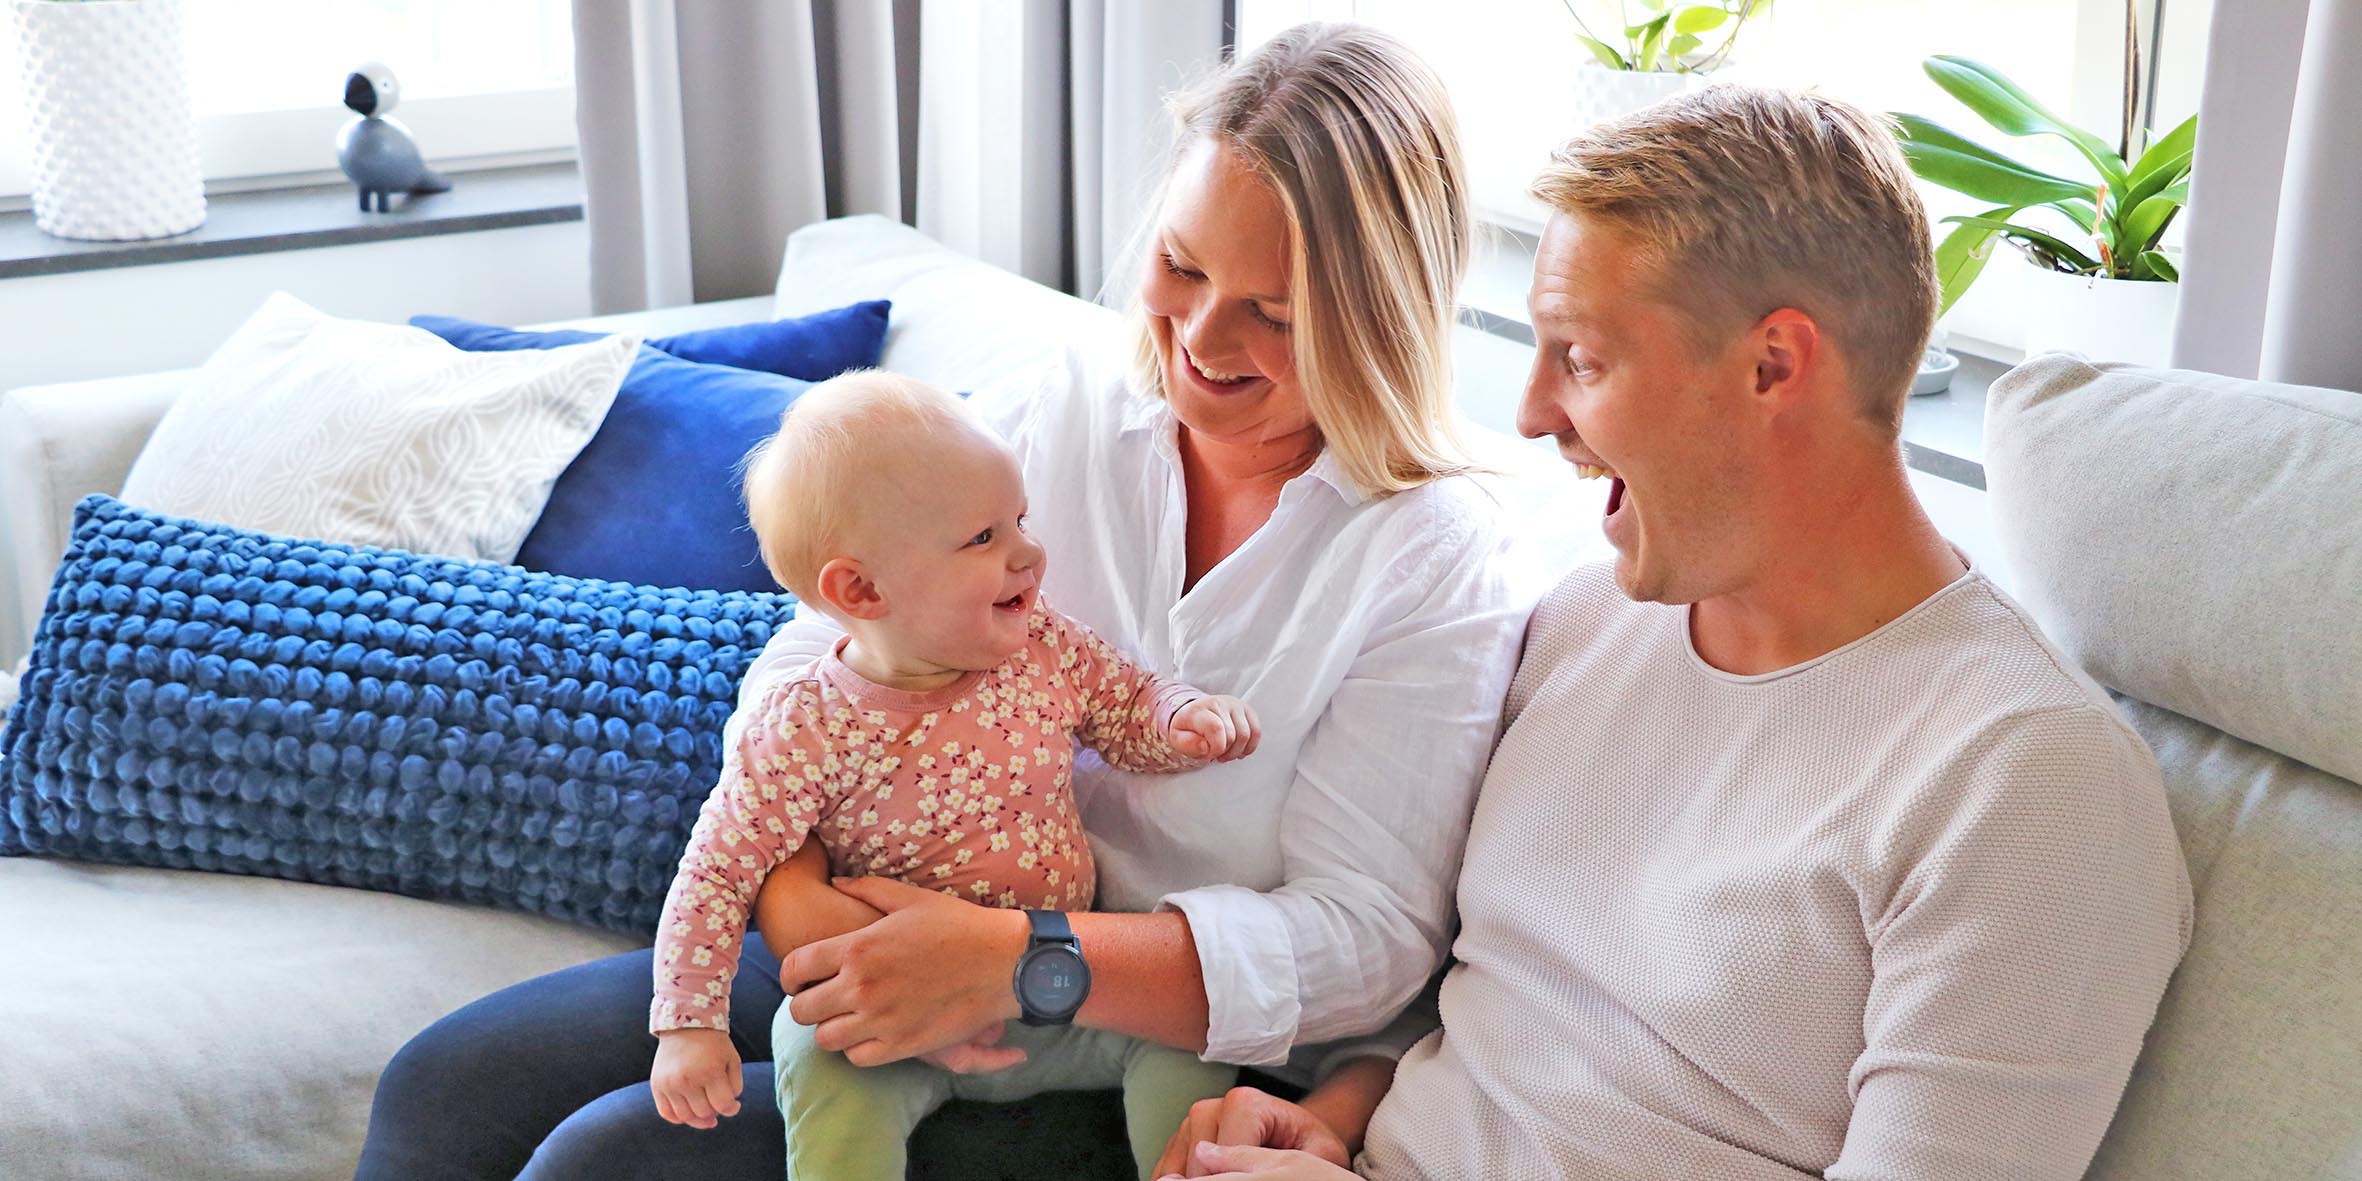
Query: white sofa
(168, 1024)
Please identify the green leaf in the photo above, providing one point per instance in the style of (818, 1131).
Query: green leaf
(1699, 18)
(2081, 212)
(1681, 47)
(2179, 191)
(2161, 266)
(1962, 255)
(2180, 141)
(2011, 229)
(1977, 171)
(1604, 52)
(2000, 102)
(2146, 223)
(2141, 187)
(1653, 43)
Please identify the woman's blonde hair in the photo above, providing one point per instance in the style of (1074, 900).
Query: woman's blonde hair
(1355, 136)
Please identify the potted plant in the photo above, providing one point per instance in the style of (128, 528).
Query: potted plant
(1670, 48)
(2105, 285)
(114, 134)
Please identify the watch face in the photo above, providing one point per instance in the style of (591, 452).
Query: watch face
(1053, 981)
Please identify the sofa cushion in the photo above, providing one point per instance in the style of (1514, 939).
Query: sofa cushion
(211, 698)
(205, 1027)
(958, 322)
(375, 434)
(815, 347)
(2193, 541)
(2254, 1066)
(654, 497)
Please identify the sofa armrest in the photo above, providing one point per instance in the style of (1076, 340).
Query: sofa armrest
(58, 444)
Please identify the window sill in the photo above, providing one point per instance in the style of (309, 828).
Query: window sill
(309, 216)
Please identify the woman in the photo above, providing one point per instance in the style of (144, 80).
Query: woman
(1268, 499)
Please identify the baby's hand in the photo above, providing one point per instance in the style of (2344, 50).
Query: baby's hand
(1217, 728)
(696, 1076)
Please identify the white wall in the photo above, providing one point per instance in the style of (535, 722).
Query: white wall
(171, 315)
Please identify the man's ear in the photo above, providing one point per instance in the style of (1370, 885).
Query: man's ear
(1788, 346)
(845, 588)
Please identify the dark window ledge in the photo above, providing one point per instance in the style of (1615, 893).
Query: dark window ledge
(302, 218)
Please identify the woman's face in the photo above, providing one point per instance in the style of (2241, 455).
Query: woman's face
(1219, 308)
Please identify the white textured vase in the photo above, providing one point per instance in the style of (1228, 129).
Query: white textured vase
(2103, 319)
(1602, 94)
(114, 134)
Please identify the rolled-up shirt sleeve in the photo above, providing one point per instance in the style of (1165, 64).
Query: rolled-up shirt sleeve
(1372, 830)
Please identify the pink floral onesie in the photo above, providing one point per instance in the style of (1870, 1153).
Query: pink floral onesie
(966, 789)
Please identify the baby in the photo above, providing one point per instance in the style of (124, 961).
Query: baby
(934, 745)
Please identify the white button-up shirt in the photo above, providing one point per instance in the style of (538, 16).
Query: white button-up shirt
(1375, 639)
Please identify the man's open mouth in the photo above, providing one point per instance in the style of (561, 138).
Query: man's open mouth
(1615, 488)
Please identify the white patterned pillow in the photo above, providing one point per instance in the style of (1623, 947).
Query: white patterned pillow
(377, 434)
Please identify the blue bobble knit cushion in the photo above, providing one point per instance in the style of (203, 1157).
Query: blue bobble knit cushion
(202, 697)
(654, 497)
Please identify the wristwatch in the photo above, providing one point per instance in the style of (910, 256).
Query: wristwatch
(1052, 978)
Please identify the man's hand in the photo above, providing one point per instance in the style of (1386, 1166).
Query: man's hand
(696, 1076)
(1217, 728)
(981, 1054)
(1241, 1162)
(1252, 1118)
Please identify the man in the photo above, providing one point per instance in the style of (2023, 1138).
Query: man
(1803, 854)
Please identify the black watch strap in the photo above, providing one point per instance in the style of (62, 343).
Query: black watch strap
(1050, 926)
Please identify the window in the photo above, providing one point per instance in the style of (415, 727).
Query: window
(267, 80)
(1509, 64)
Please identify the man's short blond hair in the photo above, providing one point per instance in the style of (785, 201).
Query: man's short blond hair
(805, 486)
(1753, 199)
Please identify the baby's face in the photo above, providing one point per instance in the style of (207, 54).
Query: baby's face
(949, 552)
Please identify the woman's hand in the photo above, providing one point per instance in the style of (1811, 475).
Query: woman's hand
(1247, 1116)
(696, 1076)
(932, 974)
(1241, 1162)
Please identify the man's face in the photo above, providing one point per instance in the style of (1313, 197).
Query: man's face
(1620, 383)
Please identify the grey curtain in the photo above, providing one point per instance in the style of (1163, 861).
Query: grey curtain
(2274, 244)
(711, 130)
(1023, 132)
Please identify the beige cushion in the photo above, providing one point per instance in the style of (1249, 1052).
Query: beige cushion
(202, 1025)
(958, 322)
(2254, 1067)
(2194, 541)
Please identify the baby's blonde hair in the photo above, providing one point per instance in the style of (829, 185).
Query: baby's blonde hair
(803, 484)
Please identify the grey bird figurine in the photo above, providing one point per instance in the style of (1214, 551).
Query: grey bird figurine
(378, 152)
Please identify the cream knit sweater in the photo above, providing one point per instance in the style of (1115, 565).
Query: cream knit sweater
(1903, 911)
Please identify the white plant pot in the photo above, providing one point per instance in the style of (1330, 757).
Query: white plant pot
(114, 134)
(2103, 319)
(1602, 94)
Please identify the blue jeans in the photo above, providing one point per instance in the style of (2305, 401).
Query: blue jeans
(548, 1080)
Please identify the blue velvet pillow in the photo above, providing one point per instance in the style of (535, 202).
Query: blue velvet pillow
(654, 496)
(811, 348)
(202, 697)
